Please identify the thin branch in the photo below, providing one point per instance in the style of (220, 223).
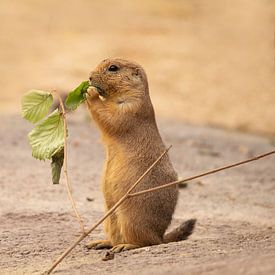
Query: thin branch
(68, 183)
(108, 213)
(200, 175)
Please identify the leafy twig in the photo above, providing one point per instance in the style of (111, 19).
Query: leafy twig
(108, 213)
(68, 184)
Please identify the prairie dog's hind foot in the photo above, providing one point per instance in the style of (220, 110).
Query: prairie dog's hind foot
(123, 247)
(99, 244)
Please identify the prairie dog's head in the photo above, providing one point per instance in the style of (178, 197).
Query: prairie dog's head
(118, 79)
(119, 92)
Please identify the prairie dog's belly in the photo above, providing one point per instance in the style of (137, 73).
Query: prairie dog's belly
(145, 218)
(120, 175)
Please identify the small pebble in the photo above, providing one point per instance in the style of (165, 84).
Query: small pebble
(108, 256)
(90, 199)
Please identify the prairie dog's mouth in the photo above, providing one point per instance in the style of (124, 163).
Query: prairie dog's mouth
(99, 90)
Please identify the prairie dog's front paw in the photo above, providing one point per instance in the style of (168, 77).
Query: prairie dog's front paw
(92, 94)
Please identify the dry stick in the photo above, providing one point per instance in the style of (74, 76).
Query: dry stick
(108, 213)
(68, 184)
(200, 175)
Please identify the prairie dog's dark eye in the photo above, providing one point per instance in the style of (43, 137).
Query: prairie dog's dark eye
(113, 68)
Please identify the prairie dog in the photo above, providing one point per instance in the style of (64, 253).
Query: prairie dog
(119, 102)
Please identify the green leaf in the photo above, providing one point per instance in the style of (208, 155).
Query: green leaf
(56, 165)
(35, 105)
(47, 138)
(76, 97)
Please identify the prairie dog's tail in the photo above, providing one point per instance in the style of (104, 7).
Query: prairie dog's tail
(180, 233)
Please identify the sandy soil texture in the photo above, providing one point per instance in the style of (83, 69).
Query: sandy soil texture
(235, 209)
(209, 62)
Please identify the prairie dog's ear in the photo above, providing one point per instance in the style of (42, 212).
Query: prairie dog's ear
(136, 74)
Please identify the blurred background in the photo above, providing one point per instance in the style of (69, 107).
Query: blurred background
(208, 62)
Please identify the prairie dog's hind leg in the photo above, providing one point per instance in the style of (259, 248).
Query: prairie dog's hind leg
(112, 229)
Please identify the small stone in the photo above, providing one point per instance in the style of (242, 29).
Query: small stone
(182, 185)
(90, 199)
(108, 256)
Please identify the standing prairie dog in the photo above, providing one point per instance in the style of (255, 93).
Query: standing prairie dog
(119, 102)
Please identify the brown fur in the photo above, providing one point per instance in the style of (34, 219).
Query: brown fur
(129, 131)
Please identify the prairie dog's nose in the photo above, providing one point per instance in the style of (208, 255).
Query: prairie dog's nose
(91, 78)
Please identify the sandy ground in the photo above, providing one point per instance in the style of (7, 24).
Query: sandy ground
(235, 233)
(209, 62)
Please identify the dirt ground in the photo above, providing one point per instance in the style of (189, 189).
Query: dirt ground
(235, 233)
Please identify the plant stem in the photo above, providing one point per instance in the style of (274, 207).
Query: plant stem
(68, 183)
(107, 214)
(200, 175)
